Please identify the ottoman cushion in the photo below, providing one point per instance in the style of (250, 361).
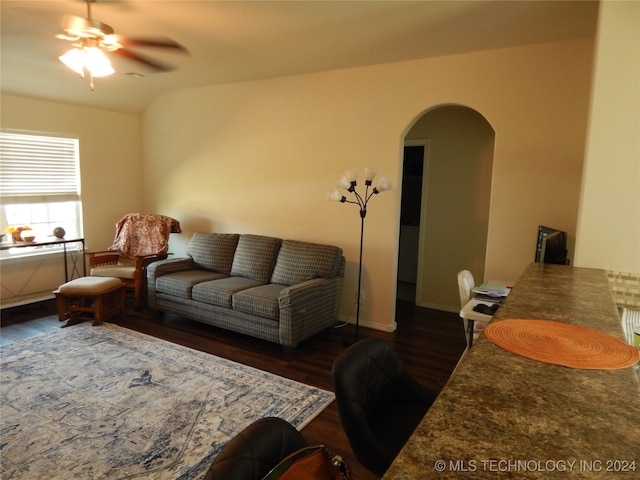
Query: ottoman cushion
(89, 285)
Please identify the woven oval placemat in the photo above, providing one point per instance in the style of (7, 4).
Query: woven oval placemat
(562, 344)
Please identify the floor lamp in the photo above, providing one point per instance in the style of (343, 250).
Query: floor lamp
(348, 182)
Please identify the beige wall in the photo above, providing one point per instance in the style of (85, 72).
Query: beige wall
(259, 157)
(609, 221)
(110, 168)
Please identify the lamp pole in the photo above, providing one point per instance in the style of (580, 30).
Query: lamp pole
(363, 213)
(349, 183)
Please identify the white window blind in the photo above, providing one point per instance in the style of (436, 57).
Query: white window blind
(37, 168)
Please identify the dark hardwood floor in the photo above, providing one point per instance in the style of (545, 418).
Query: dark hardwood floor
(430, 342)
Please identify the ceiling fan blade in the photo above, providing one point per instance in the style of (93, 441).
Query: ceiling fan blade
(160, 67)
(150, 42)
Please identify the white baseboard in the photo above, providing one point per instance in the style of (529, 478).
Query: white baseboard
(384, 327)
(435, 306)
(26, 299)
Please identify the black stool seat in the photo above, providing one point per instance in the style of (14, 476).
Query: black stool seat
(380, 404)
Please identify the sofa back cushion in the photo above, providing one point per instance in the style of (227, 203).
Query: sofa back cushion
(255, 257)
(301, 261)
(213, 251)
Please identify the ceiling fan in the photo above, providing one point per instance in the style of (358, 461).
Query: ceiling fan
(93, 38)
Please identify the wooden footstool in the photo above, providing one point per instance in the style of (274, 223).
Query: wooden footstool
(79, 299)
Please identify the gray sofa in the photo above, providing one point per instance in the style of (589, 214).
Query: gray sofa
(283, 291)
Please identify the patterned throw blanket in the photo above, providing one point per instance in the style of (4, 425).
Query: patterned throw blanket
(142, 234)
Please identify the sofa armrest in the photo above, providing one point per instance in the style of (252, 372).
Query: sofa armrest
(163, 267)
(307, 308)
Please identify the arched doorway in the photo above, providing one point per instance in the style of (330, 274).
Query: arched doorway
(454, 200)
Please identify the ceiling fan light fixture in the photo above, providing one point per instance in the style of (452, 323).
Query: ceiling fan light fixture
(74, 59)
(97, 63)
(110, 42)
(90, 58)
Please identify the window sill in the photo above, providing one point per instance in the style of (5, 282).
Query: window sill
(18, 254)
(21, 251)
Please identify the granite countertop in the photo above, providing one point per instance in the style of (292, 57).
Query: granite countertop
(502, 415)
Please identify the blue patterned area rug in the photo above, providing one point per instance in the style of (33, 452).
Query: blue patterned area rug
(107, 402)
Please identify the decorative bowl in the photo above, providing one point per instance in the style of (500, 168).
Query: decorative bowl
(28, 236)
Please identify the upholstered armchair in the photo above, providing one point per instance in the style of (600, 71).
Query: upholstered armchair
(140, 240)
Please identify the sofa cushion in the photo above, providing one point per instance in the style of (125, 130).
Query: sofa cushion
(261, 301)
(301, 261)
(180, 284)
(255, 257)
(220, 292)
(213, 250)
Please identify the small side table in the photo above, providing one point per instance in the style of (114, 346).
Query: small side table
(65, 251)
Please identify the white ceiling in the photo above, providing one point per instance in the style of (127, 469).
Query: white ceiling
(235, 41)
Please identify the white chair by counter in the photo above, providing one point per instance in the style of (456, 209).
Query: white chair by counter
(474, 322)
(466, 284)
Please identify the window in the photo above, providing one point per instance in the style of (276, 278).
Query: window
(40, 184)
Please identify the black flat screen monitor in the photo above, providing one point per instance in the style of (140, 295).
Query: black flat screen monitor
(551, 246)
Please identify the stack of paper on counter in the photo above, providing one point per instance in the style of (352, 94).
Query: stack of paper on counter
(491, 291)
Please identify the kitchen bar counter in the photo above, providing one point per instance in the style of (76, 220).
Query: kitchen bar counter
(505, 416)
